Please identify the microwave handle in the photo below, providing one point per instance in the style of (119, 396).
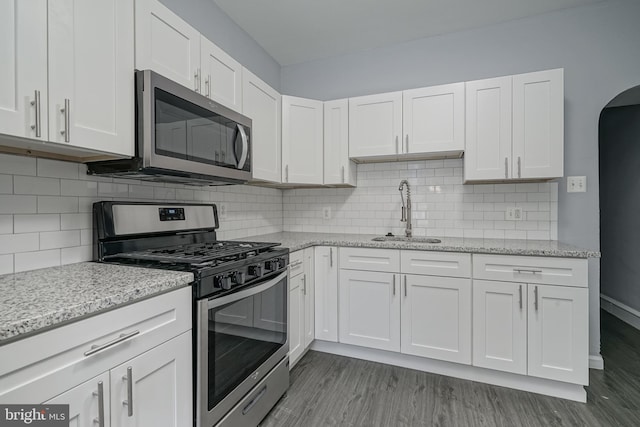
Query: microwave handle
(245, 146)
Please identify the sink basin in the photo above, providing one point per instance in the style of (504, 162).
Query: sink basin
(406, 239)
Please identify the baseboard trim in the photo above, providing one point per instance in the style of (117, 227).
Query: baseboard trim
(504, 379)
(621, 311)
(596, 362)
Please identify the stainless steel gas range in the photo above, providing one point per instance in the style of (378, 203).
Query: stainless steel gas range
(240, 305)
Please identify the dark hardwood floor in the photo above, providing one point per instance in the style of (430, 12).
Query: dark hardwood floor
(329, 390)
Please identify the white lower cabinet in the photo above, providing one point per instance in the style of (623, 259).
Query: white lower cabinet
(88, 402)
(436, 317)
(326, 293)
(369, 309)
(301, 304)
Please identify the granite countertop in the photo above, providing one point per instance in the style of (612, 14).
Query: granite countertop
(550, 248)
(38, 299)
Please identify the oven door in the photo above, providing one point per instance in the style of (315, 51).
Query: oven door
(241, 338)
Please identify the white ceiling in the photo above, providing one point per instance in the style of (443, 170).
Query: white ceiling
(294, 31)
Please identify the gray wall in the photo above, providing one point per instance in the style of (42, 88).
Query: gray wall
(620, 204)
(214, 24)
(598, 46)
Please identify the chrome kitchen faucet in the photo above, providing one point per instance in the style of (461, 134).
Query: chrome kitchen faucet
(406, 208)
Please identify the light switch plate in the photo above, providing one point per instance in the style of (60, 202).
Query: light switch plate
(576, 184)
(326, 212)
(513, 214)
(222, 211)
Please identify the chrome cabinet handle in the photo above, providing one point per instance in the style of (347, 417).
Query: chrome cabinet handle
(394, 284)
(207, 85)
(295, 264)
(99, 347)
(407, 143)
(304, 284)
(245, 147)
(38, 125)
(405, 285)
(65, 111)
(519, 168)
(506, 168)
(196, 74)
(520, 292)
(535, 301)
(286, 173)
(397, 146)
(343, 174)
(526, 270)
(100, 394)
(330, 257)
(129, 402)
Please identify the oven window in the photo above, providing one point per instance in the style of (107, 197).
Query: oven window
(187, 131)
(242, 335)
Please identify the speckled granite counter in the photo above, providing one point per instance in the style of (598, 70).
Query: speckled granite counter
(295, 241)
(38, 299)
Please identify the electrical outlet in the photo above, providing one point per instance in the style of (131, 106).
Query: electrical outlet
(326, 212)
(576, 184)
(513, 214)
(222, 211)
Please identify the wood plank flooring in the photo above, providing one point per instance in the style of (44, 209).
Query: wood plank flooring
(329, 390)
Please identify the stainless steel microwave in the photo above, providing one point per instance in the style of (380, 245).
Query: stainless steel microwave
(183, 137)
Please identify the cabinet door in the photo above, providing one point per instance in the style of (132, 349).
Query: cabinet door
(161, 387)
(91, 90)
(375, 125)
(338, 169)
(23, 69)
(296, 319)
(326, 293)
(558, 328)
(309, 297)
(500, 326)
(221, 74)
(302, 140)
(538, 124)
(370, 309)
(262, 104)
(436, 317)
(488, 129)
(433, 119)
(86, 403)
(166, 44)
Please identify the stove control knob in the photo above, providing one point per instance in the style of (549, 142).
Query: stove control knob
(255, 270)
(281, 263)
(271, 265)
(223, 282)
(238, 278)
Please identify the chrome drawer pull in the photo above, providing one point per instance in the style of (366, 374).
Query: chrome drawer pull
(297, 263)
(129, 402)
(97, 348)
(38, 125)
(100, 395)
(526, 270)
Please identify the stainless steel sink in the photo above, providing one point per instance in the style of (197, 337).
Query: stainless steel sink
(406, 239)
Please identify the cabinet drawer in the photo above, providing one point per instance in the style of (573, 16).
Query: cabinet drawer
(436, 263)
(296, 263)
(370, 259)
(35, 367)
(526, 269)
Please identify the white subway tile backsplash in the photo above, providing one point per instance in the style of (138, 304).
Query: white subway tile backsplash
(13, 243)
(6, 264)
(76, 254)
(76, 221)
(6, 224)
(57, 169)
(6, 184)
(36, 222)
(10, 204)
(34, 260)
(112, 189)
(59, 239)
(70, 187)
(60, 204)
(17, 165)
(36, 185)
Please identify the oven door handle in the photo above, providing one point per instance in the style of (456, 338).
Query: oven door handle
(228, 299)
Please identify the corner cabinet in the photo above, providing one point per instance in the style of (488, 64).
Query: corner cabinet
(132, 365)
(263, 105)
(375, 125)
(515, 127)
(339, 170)
(302, 141)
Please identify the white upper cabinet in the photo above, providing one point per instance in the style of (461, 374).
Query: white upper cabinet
(221, 76)
(515, 127)
(338, 169)
(262, 104)
(488, 118)
(23, 69)
(433, 119)
(91, 81)
(302, 140)
(538, 124)
(375, 125)
(166, 44)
